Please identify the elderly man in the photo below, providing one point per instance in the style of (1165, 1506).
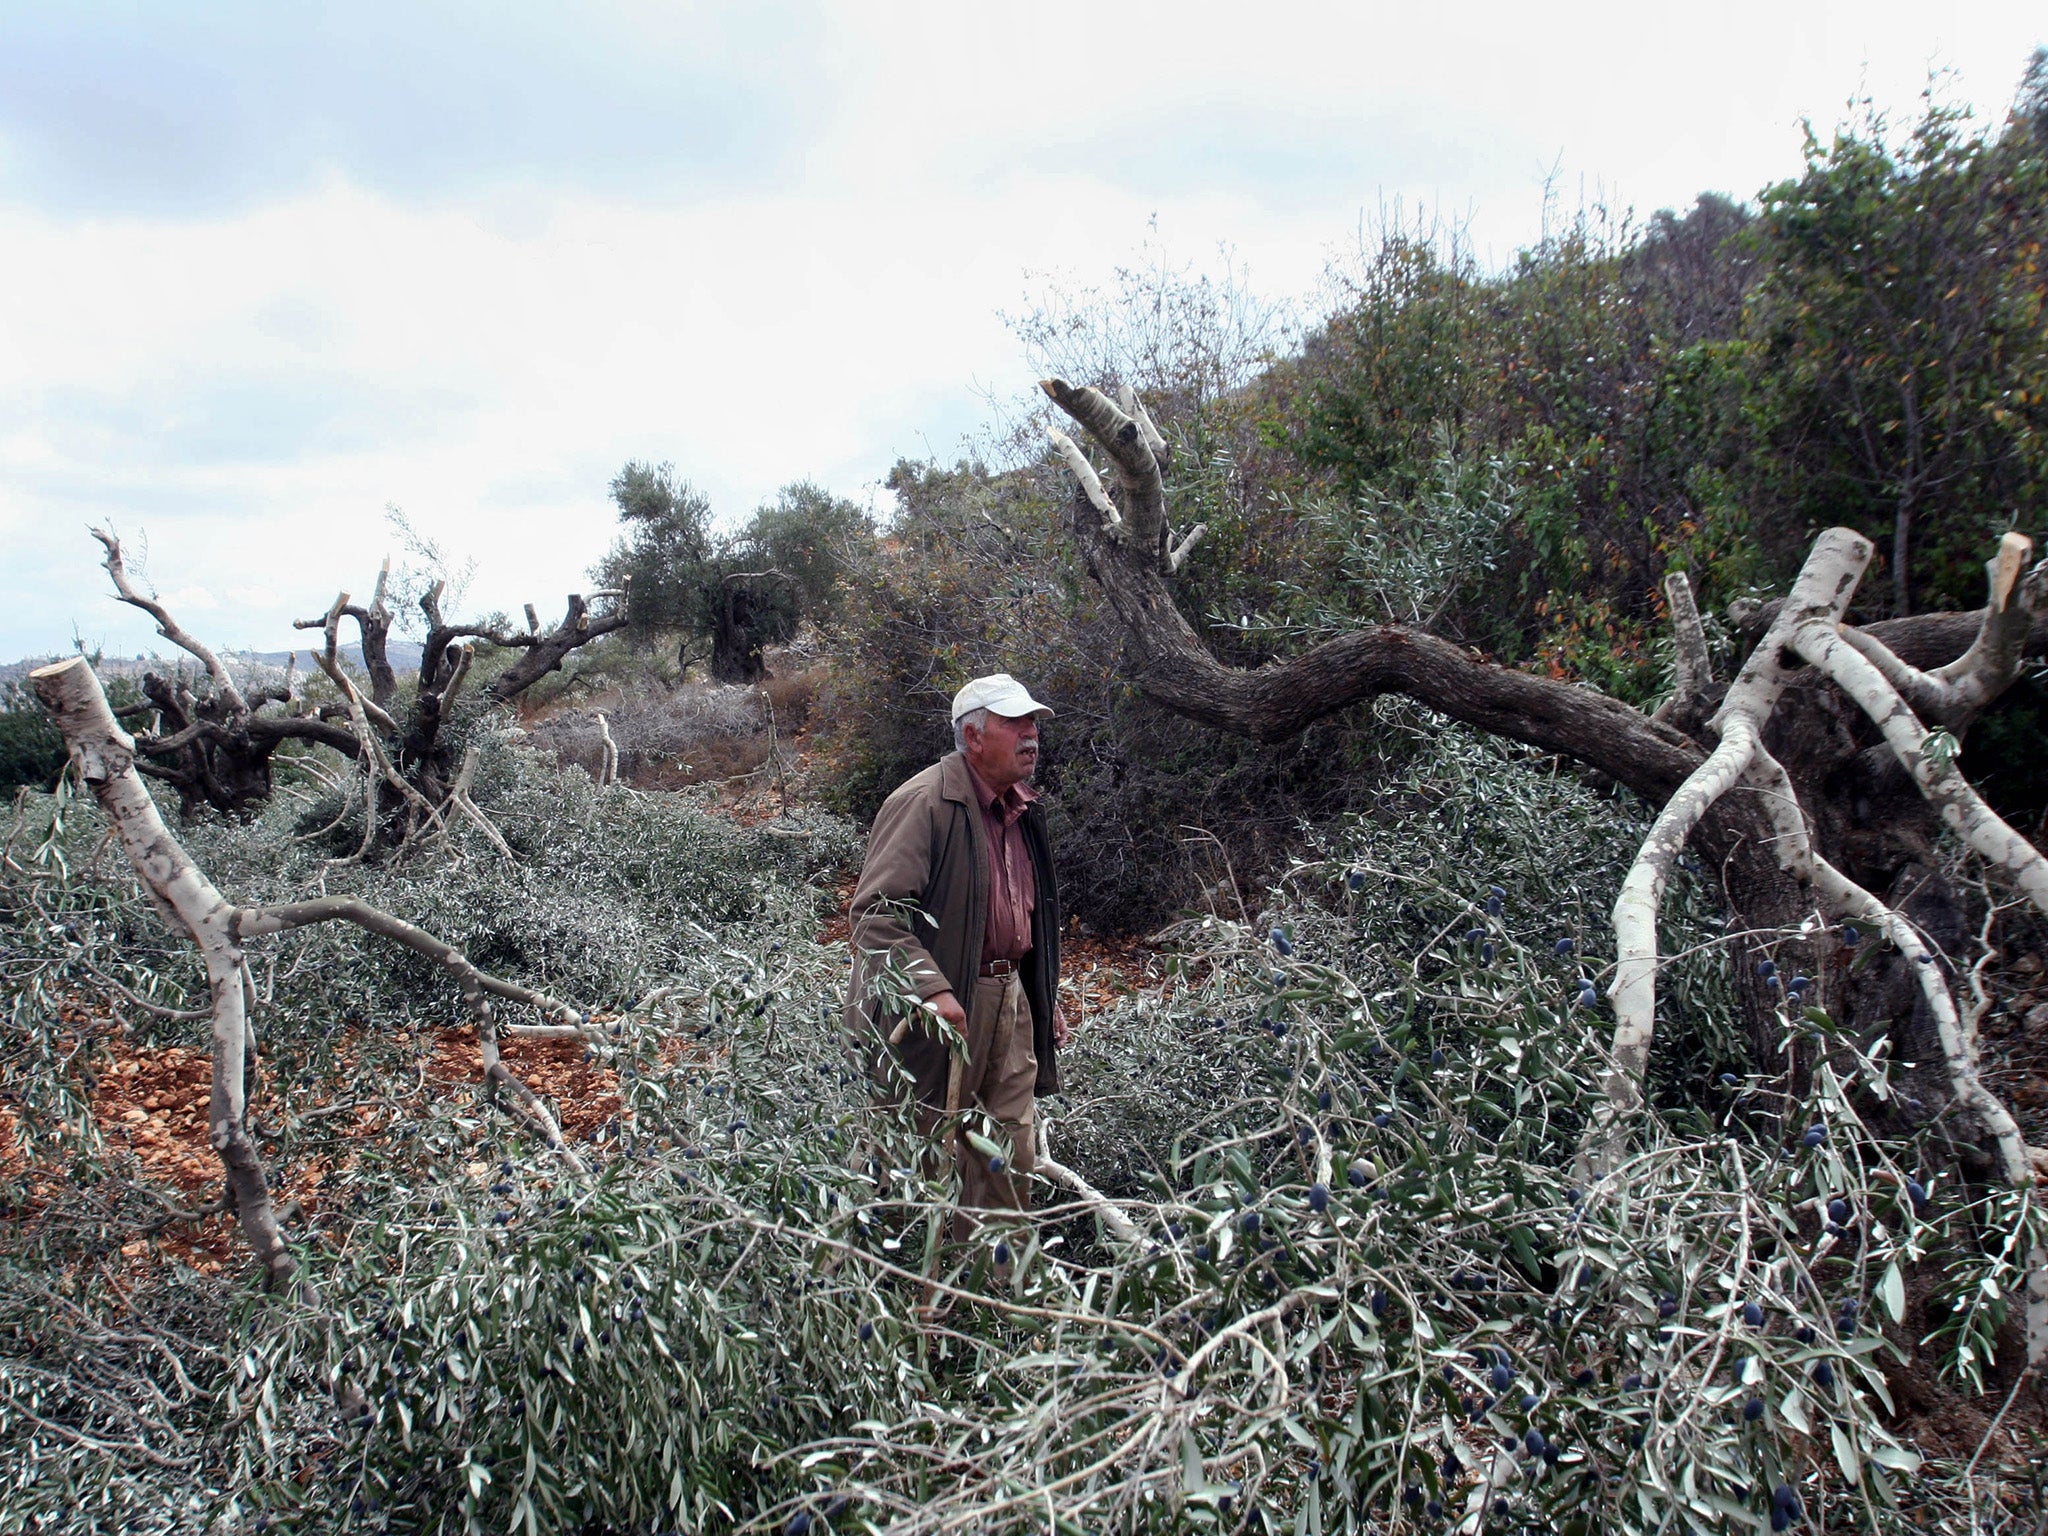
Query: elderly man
(958, 889)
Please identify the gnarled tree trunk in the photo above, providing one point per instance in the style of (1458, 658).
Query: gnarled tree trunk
(1808, 785)
(216, 747)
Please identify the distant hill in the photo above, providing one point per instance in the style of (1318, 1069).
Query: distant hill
(405, 656)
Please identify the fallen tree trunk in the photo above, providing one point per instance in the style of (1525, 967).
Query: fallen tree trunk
(1758, 785)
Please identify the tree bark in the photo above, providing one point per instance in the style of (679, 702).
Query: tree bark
(544, 655)
(196, 910)
(189, 903)
(1821, 739)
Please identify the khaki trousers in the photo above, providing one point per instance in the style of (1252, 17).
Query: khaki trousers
(999, 1080)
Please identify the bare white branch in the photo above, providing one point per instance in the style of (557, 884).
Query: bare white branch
(1693, 673)
(2017, 1161)
(167, 626)
(1177, 556)
(459, 797)
(105, 755)
(1819, 595)
(329, 662)
(1642, 895)
(1933, 770)
(1137, 464)
(1151, 435)
(1955, 694)
(1117, 1222)
(1091, 483)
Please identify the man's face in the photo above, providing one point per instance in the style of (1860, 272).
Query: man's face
(1005, 751)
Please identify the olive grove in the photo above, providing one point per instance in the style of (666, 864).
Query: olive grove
(1573, 1078)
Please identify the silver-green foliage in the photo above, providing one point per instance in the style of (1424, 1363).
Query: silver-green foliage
(1412, 561)
(1366, 1265)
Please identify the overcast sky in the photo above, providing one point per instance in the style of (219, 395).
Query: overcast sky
(270, 268)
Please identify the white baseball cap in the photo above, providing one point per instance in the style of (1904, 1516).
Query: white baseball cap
(1000, 694)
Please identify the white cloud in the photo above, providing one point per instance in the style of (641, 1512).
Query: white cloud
(253, 387)
(189, 599)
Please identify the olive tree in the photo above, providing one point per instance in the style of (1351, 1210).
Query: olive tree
(1830, 756)
(213, 741)
(725, 598)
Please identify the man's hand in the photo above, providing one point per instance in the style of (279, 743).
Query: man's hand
(949, 1009)
(1062, 1030)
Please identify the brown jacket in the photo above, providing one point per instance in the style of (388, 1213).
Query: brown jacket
(929, 850)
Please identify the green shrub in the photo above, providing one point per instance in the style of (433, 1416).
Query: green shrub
(1352, 1159)
(31, 751)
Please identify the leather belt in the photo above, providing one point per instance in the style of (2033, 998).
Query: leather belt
(1000, 967)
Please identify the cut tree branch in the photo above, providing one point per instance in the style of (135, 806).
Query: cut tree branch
(1845, 900)
(167, 626)
(608, 752)
(105, 755)
(459, 797)
(329, 661)
(196, 910)
(1667, 767)
(1934, 771)
(373, 632)
(578, 627)
(1955, 694)
(1819, 596)
(252, 922)
(1130, 449)
(1693, 672)
(1090, 483)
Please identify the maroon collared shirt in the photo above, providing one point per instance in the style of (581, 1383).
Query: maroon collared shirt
(1012, 886)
